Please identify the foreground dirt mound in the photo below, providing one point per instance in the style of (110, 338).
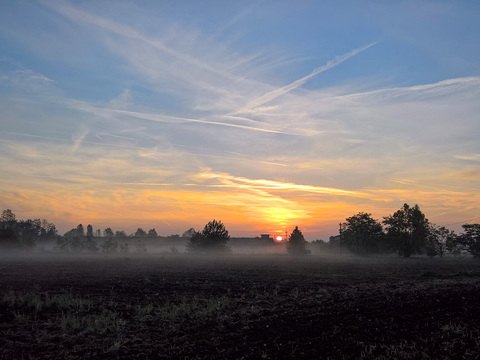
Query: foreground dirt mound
(180, 307)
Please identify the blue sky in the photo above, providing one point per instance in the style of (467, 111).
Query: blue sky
(264, 114)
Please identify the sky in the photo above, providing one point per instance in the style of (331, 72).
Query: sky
(264, 115)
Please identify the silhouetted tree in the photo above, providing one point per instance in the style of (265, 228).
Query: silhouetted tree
(471, 239)
(109, 246)
(62, 244)
(152, 233)
(196, 243)
(8, 238)
(23, 233)
(407, 229)
(28, 231)
(108, 232)
(296, 244)
(189, 233)
(120, 234)
(8, 218)
(80, 230)
(123, 248)
(362, 234)
(453, 245)
(140, 233)
(90, 230)
(74, 241)
(48, 230)
(437, 240)
(76, 244)
(8, 230)
(213, 238)
(91, 245)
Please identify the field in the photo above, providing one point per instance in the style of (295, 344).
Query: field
(251, 307)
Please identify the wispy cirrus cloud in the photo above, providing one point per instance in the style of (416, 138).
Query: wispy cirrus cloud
(470, 157)
(270, 185)
(255, 103)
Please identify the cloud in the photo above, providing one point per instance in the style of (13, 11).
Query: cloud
(78, 138)
(269, 185)
(29, 82)
(471, 157)
(472, 174)
(258, 102)
(122, 101)
(174, 58)
(465, 86)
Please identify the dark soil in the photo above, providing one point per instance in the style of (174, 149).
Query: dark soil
(277, 307)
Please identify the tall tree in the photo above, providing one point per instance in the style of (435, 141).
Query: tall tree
(362, 234)
(453, 245)
(471, 239)
(296, 244)
(213, 238)
(438, 240)
(80, 230)
(89, 231)
(408, 229)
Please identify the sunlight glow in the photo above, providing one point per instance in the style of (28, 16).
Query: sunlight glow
(213, 119)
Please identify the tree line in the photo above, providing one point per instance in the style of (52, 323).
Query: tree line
(23, 234)
(407, 232)
(26, 234)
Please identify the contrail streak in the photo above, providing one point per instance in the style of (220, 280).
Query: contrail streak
(283, 90)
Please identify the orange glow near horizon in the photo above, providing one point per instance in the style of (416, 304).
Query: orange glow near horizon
(185, 127)
(245, 211)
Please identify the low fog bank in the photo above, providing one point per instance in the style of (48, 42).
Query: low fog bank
(241, 254)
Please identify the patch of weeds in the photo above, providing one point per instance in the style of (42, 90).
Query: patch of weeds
(71, 323)
(455, 329)
(70, 302)
(144, 313)
(194, 309)
(106, 323)
(37, 301)
(21, 317)
(28, 307)
(117, 344)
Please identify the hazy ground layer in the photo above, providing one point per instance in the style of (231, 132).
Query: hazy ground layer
(238, 307)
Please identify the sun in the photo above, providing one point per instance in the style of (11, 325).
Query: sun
(279, 238)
